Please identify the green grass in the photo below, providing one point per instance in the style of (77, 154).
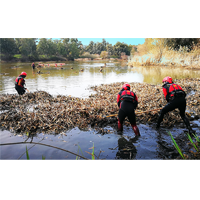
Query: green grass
(27, 155)
(77, 158)
(17, 56)
(189, 137)
(176, 145)
(92, 154)
(197, 139)
(93, 157)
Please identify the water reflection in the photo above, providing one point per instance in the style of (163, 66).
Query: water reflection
(126, 149)
(155, 75)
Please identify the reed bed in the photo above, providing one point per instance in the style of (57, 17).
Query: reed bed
(169, 58)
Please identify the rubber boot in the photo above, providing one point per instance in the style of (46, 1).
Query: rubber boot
(187, 123)
(160, 119)
(135, 129)
(120, 126)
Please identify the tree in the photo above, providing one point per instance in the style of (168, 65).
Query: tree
(109, 49)
(43, 47)
(104, 54)
(8, 46)
(69, 48)
(121, 48)
(27, 47)
(90, 47)
(74, 48)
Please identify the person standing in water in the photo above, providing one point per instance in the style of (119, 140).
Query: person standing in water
(33, 65)
(127, 102)
(175, 97)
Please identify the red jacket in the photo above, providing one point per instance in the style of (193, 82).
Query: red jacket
(126, 95)
(19, 81)
(170, 90)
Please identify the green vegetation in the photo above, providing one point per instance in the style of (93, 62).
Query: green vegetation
(92, 154)
(176, 145)
(191, 141)
(27, 155)
(42, 49)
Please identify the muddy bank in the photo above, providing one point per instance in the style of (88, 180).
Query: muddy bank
(42, 112)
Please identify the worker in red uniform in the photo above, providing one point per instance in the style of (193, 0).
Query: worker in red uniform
(20, 82)
(175, 97)
(127, 102)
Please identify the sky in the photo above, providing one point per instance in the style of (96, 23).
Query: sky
(113, 41)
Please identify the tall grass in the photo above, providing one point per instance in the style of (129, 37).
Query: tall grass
(197, 139)
(191, 141)
(176, 145)
(27, 155)
(168, 57)
(79, 148)
(189, 137)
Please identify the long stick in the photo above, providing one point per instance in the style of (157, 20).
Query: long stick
(27, 90)
(44, 145)
(136, 112)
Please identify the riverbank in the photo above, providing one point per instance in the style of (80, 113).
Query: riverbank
(19, 58)
(168, 59)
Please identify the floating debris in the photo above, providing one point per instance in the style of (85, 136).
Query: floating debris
(41, 112)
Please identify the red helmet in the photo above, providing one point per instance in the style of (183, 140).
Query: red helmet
(24, 73)
(167, 79)
(126, 86)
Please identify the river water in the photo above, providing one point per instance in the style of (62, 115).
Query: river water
(75, 79)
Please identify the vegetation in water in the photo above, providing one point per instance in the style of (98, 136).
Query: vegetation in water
(27, 155)
(195, 154)
(176, 145)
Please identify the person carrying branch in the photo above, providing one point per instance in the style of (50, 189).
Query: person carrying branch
(127, 102)
(175, 97)
(20, 82)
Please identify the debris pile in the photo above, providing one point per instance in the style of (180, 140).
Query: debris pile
(41, 112)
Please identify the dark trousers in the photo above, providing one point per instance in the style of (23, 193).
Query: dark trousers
(177, 102)
(131, 116)
(20, 90)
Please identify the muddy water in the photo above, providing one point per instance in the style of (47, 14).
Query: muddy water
(151, 145)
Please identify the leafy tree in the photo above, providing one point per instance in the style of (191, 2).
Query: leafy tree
(69, 48)
(104, 54)
(43, 47)
(121, 47)
(90, 47)
(74, 48)
(99, 48)
(28, 47)
(8, 46)
(109, 49)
